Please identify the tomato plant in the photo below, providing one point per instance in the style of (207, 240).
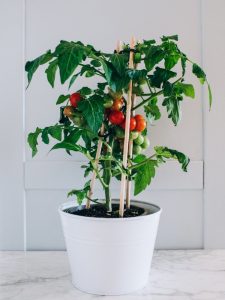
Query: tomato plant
(96, 113)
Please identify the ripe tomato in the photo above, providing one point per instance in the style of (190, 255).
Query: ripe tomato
(141, 123)
(68, 111)
(117, 104)
(132, 124)
(74, 99)
(116, 117)
(139, 117)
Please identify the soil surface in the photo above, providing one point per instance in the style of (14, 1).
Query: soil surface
(99, 211)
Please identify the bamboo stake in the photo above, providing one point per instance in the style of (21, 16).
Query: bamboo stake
(98, 153)
(127, 132)
(99, 149)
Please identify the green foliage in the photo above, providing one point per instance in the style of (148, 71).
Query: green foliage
(145, 173)
(32, 140)
(162, 77)
(32, 66)
(92, 109)
(81, 195)
(62, 98)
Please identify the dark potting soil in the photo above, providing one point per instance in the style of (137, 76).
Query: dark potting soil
(100, 211)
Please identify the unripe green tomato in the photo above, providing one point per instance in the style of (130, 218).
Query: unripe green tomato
(120, 133)
(108, 103)
(137, 149)
(134, 135)
(139, 140)
(78, 120)
(146, 143)
(137, 58)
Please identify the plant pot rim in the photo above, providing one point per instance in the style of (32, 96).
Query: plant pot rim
(69, 204)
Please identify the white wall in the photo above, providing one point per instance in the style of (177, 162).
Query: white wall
(47, 178)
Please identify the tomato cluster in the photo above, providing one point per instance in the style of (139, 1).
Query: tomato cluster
(71, 111)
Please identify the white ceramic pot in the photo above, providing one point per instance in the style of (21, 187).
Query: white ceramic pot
(110, 256)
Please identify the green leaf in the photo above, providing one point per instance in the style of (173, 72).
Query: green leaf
(80, 194)
(197, 71)
(119, 61)
(84, 91)
(171, 60)
(152, 110)
(93, 110)
(95, 63)
(44, 136)
(210, 95)
(51, 71)
(32, 66)
(153, 56)
(144, 175)
(160, 76)
(70, 55)
(173, 108)
(32, 140)
(55, 132)
(183, 64)
(137, 74)
(74, 136)
(164, 152)
(62, 98)
(69, 146)
(170, 37)
(187, 89)
(73, 78)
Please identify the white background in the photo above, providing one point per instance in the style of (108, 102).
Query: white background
(31, 189)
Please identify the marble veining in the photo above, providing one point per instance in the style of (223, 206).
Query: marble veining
(175, 275)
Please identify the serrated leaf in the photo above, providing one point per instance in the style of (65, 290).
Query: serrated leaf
(51, 71)
(32, 66)
(187, 89)
(199, 73)
(170, 37)
(119, 61)
(85, 91)
(171, 60)
(72, 80)
(160, 76)
(70, 55)
(32, 140)
(173, 108)
(62, 98)
(93, 110)
(80, 194)
(168, 153)
(153, 56)
(55, 132)
(144, 175)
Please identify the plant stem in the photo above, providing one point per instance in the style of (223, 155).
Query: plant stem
(107, 178)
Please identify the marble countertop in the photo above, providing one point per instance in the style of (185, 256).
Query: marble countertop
(175, 275)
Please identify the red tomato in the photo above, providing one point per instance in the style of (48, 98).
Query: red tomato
(132, 124)
(141, 124)
(139, 117)
(116, 117)
(74, 99)
(117, 104)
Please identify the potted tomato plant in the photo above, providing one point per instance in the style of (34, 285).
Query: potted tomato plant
(110, 242)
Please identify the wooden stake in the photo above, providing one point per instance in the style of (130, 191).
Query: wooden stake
(127, 132)
(98, 153)
(99, 149)
(130, 151)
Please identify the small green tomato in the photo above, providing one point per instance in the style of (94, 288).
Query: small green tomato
(137, 149)
(108, 102)
(146, 143)
(139, 140)
(120, 132)
(134, 135)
